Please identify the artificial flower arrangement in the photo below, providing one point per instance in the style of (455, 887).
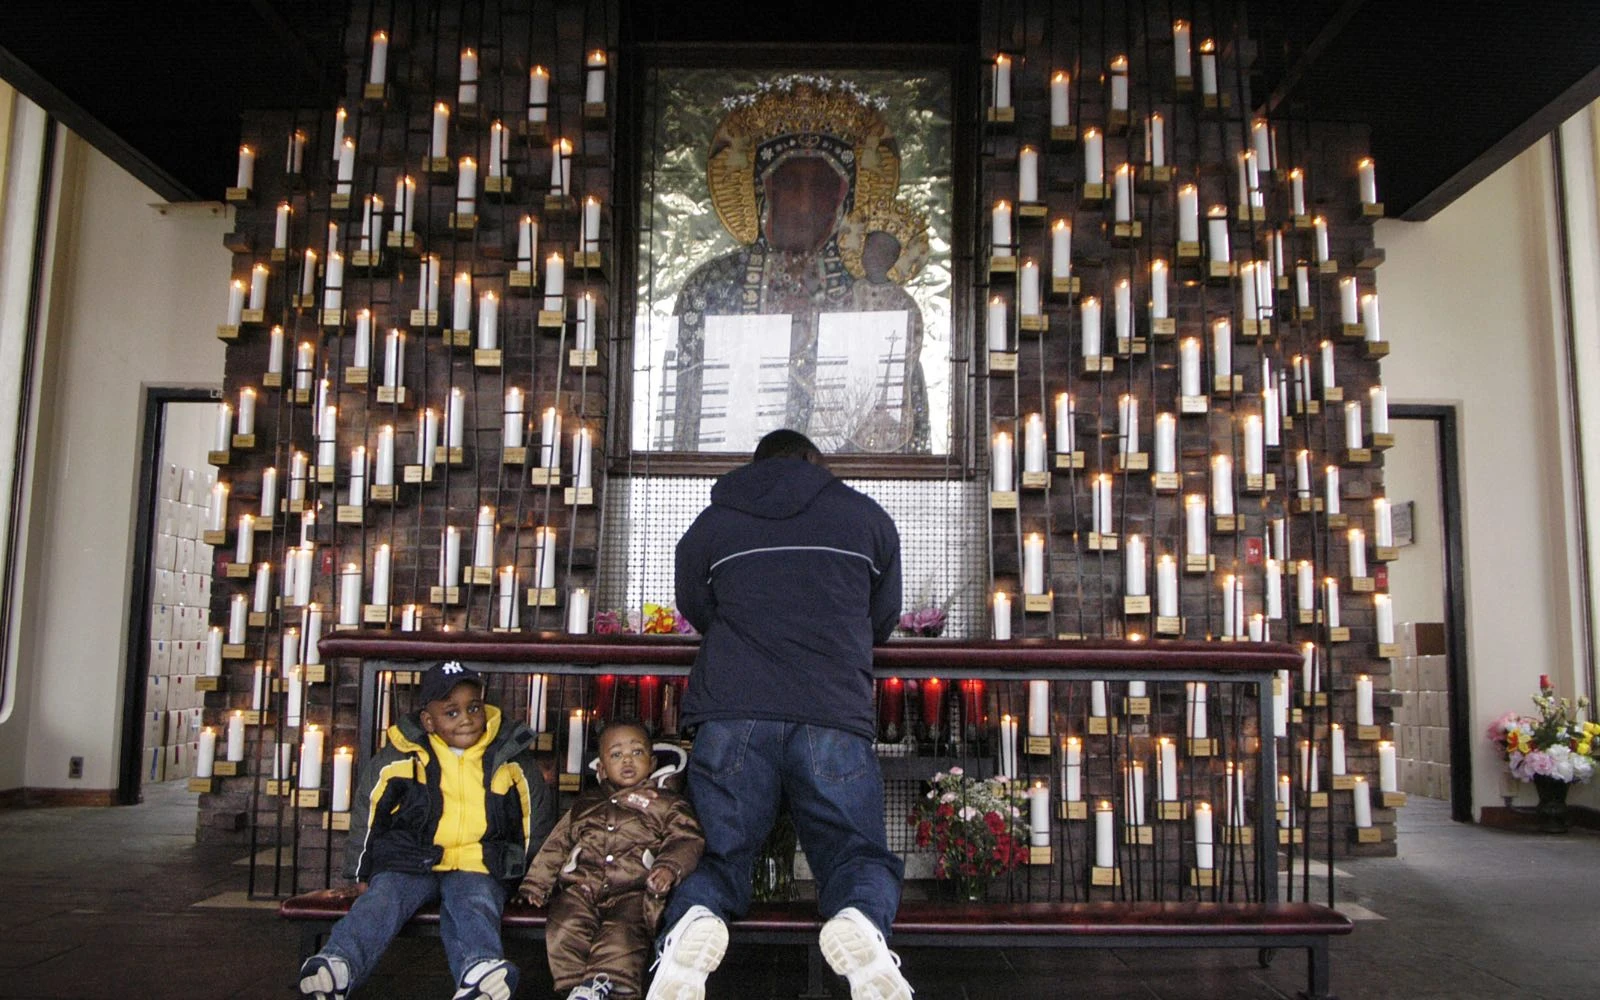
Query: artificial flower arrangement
(977, 827)
(927, 622)
(652, 619)
(1552, 744)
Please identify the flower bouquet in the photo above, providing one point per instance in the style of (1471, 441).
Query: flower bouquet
(977, 828)
(1552, 744)
(655, 619)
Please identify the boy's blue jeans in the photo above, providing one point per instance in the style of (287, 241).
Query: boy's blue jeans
(470, 905)
(739, 770)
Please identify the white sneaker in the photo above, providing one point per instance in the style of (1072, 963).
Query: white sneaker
(325, 977)
(855, 949)
(490, 979)
(693, 948)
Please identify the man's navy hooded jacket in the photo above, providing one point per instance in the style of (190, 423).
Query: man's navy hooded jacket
(791, 577)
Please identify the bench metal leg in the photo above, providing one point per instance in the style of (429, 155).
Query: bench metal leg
(1317, 971)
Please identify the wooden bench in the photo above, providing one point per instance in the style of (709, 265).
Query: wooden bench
(1262, 926)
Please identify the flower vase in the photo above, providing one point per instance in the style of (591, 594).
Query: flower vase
(1552, 809)
(970, 888)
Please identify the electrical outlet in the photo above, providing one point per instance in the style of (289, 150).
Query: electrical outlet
(75, 767)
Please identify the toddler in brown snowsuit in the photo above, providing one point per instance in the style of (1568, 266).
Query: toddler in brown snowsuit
(606, 869)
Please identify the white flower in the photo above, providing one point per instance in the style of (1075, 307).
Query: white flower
(968, 813)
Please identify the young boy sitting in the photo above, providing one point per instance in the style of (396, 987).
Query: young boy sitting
(451, 809)
(613, 857)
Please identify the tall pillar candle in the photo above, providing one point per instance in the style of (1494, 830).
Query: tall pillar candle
(1001, 619)
(555, 282)
(1104, 836)
(1204, 848)
(1039, 815)
(1061, 249)
(561, 167)
(578, 612)
(483, 538)
(1188, 214)
(1330, 588)
(1217, 235)
(1167, 587)
(1033, 563)
(1363, 803)
(1001, 479)
(1002, 81)
(1028, 288)
(381, 576)
(1195, 725)
(466, 186)
(1033, 448)
(583, 459)
(235, 750)
(1089, 319)
(1158, 289)
(1094, 164)
(343, 767)
(1182, 58)
(1066, 432)
(1221, 347)
(575, 742)
(1060, 99)
(1000, 229)
(544, 540)
(1166, 447)
(439, 143)
(1027, 174)
(1222, 485)
(1196, 539)
(1133, 567)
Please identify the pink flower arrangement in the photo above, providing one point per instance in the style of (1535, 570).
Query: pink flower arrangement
(923, 622)
(1552, 744)
(655, 619)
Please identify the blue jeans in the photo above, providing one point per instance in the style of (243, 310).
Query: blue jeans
(739, 771)
(470, 905)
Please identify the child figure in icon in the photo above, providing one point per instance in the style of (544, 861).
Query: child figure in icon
(606, 870)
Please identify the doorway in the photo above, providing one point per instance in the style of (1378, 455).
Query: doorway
(169, 604)
(1422, 481)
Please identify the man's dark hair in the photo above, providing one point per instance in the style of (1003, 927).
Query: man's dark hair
(785, 443)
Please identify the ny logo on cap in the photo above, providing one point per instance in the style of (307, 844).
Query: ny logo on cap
(453, 667)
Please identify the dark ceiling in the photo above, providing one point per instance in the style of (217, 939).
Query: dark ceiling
(1450, 91)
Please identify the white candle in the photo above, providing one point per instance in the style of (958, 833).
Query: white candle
(1038, 708)
(350, 595)
(1122, 193)
(258, 286)
(1000, 229)
(1128, 424)
(1221, 347)
(383, 472)
(589, 234)
(236, 737)
(1249, 181)
(1089, 319)
(1188, 214)
(483, 540)
(506, 615)
(1367, 175)
(427, 437)
(1002, 81)
(236, 293)
(527, 243)
(378, 70)
(1133, 567)
(217, 510)
(1066, 433)
(997, 328)
(461, 302)
(236, 620)
(1097, 699)
(405, 203)
(304, 574)
(466, 186)
(262, 598)
(1155, 141)
(1320, 226)
(1302, 286)
(561, 167)
(1195, 725)
(1388, 779)
(361, 351)
(1094, 164)
(511, 435)
(575, 741)
(1104, 846)
(1028, 288)
(1254, 451)
(1061, 249)
(578, 612)
(1302, 472)
(1134, 777)
(1008, 747)
(340, 116)
(1274, 589)
(1119, 83)
(333, 287)
(1370, 318)
(343, 765)
(347, 166)
(1189, 367)
(538, 94)
(1337, 750)
(1230, 617)
(1330, 587)
(1204, 848)
(1234, 787)
(450, 557)
(205, 761)
(1166, 447)
(1072, 769)
(1060, 99)
(1208, 68)
(583, 338)
(295, 156)
(428, 283)
(1217, 235)
(1181, 57)
(1103, 522)
(1349, 309)
(594, 89)
(455, 419)
(358, 476)
(380, 576)
(550, 439)
(555, 282)
(222, 435)
(1222, 485)
(1297, 192)
(1383, 609)
(1033, 450)
(280, 229)
(1122, 310)
(1285, 801)
(327, 437)
(1194, 519)
(311, 757)
(544, 540)
(1039, 815)
(1033, 563)
(439, 146)
(497, 150)
(1357, 542)
(1000, 461)
(1002, 616)
(1167, 587)
(1382, 524)
(1352, 424)
(1378, 394)
(1363, 803)
(1158, 289)
(247, 168)
(488, 322)
(1027, 174)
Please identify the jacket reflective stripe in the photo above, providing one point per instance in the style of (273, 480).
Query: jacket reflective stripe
(798, 548)
(400, 770)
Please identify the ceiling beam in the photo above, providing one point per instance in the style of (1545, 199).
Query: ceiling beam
(1326, 37)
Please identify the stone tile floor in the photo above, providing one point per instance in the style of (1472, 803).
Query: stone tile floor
(122, 903)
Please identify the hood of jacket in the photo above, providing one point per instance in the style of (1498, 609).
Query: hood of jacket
(773, 488)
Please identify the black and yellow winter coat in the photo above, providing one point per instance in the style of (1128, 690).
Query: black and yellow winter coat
(420, 807)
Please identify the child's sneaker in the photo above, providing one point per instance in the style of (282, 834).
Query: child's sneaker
(855, 948)
(490, 979)
(693, 948)
(325, 977)
(598, 988)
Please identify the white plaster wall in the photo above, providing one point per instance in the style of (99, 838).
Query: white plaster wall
(134, 300)
(1475, 312)
(1411, 472)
